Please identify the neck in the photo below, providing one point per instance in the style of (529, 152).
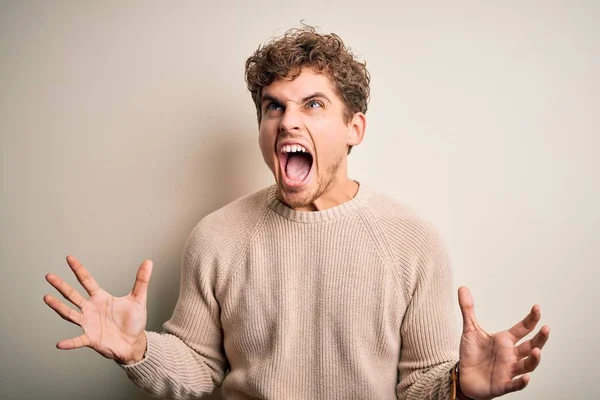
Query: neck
(337, 193)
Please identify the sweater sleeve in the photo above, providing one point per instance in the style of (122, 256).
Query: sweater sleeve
(187, 360)
(429, 346)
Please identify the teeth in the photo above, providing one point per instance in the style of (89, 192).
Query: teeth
(295, 148)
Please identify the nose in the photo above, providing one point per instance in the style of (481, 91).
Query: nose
(291, 120)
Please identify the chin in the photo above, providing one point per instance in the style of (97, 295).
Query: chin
(297, 197)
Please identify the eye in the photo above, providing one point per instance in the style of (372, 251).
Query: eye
(314, 104)
(274, 107)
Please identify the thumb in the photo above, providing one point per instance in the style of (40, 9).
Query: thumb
(467, 309)
(140, 287)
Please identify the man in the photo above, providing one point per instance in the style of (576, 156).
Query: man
(315, 287)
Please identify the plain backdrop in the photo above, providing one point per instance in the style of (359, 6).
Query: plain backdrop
(124, 123)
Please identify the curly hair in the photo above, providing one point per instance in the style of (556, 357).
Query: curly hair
(284, 58)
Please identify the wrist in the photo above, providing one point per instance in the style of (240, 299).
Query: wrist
(139, 350)
(457, 392)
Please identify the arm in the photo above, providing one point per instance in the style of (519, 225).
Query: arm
(187, 360)
(490, 366)
(429, 342)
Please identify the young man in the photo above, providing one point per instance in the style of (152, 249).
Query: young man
(315, 287)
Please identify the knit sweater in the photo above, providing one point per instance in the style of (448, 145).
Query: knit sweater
(352, 302)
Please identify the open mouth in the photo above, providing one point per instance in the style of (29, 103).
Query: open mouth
(296, 164)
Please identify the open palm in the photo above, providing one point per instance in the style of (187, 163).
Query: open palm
(492, 365)
(113, 326)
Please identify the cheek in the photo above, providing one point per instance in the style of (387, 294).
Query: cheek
(331, 141)
(266, 142)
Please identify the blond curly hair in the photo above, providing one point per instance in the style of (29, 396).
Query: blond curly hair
(284, 58)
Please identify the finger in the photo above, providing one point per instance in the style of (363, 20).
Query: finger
(528, 364)
(74, 343)
(83, 276)
(66, 290)
(516, 384)
(61, 309)
(142, 278)
(527, 324)
(538, 341)
(467, 309)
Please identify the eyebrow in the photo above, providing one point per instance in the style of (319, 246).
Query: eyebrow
(268, 97)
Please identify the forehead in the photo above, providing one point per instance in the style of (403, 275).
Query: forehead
(303, 85)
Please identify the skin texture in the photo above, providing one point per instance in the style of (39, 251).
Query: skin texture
(113, 326)
(492, 365)
(290, 112)
(305, 110)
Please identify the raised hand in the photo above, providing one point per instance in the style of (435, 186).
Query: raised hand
(113, 326)
(492, 365)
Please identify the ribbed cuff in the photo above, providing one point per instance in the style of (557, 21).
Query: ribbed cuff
(147, 368)
(436, 381)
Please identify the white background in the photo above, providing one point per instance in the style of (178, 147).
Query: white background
(124, 123)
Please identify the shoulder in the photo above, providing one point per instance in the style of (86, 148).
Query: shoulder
(402, 225)
(225, 229)
(413, 243)
(241, 212)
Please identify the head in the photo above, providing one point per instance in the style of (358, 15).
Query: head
(311, 96)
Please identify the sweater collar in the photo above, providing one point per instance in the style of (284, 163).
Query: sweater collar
(317, 216)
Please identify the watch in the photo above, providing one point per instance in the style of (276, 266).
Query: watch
(457, 393)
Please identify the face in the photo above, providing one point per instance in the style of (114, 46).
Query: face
(304, 138)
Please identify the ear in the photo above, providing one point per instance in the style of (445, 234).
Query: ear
(356, 129)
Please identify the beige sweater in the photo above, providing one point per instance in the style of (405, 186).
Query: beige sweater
(353, 302)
